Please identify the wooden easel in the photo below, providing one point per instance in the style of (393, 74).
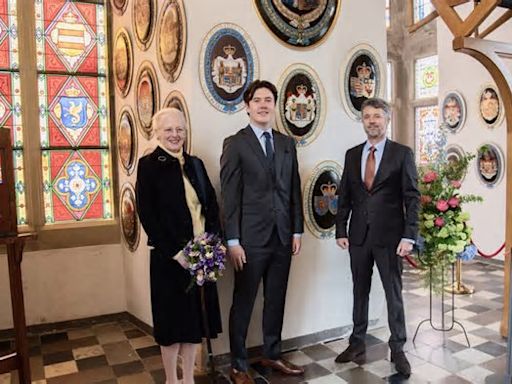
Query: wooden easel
(17, 359)
(492, 55)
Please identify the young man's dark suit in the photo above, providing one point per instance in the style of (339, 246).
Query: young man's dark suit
(262, 207)
(379, 219)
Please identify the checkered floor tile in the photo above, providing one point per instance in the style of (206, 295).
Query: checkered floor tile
(122, 353)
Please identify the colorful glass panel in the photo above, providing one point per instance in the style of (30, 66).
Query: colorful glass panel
(73, 111)
(8, 35)
(77, 185)
(427, 77)
(427, 133)
(70, 36)
(421, 9)
(10, 106)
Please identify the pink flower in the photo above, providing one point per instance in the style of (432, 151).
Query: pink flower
(456, 183)
(425, 199)
(429, 177)
(439, 222)
(442, 205)
(453, 202)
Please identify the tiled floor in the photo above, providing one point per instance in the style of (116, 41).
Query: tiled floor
(122, 353)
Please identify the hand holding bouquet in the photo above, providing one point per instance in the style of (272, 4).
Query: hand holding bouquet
(206, 257)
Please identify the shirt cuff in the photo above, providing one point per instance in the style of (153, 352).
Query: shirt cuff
(233, 242)
(409, 240)
(299, 235)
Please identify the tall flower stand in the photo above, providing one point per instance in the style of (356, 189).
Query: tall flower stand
(458, 287)
(445, 327)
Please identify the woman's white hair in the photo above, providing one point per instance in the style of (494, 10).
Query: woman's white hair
(175, 112)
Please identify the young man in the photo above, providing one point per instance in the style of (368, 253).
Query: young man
(262, 209)
(379, 193)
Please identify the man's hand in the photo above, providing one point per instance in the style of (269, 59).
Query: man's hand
(296, 242)
(237, 255)
(342, 242)
(404, 248)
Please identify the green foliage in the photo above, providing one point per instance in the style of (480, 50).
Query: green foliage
(443, 225)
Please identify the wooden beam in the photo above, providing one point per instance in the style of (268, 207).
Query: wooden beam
(413, 27)
(478, 16)
(498, 23)
(466, 27)
(427, 19)
(492, 54)
(454, 3)
(449, 16)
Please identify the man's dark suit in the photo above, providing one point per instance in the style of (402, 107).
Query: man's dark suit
(262, 208)
(379, 219)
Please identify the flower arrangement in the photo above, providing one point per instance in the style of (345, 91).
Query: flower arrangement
(445, 233)
(206, 256)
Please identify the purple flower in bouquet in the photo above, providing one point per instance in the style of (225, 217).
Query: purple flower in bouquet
(206, 256)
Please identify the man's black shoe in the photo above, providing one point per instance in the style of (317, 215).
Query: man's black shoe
(351, 353)
(401, 363)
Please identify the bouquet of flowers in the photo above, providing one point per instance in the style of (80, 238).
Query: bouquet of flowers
(206, 256)
(445, 233)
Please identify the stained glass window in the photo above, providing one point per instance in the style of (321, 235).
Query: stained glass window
(427, 132)
(426, 77)
(10, 97)
(77, 185)
(8, 35)
(73, 110)
(421, 9)
(70, 36)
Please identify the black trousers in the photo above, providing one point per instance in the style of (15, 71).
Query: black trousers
(270, 263)
(390, 268)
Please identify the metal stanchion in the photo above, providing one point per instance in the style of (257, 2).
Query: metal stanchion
(458, 287)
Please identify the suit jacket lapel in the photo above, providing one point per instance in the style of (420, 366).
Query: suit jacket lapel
(255, 145)
(357, 164)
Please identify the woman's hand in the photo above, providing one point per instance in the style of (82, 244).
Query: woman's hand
(180, 258)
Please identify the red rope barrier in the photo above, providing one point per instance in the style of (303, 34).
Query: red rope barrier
(490, 255)
(411, 261)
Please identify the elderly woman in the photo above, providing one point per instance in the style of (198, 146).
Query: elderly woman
(176, 202)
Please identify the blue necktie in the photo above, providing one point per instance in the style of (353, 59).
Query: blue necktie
(268, 146)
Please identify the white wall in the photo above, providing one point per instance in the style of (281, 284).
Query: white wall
(319, 293)
(461, 72)
(67, 284)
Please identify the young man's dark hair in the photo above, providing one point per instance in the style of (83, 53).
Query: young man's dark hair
(257, 84)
